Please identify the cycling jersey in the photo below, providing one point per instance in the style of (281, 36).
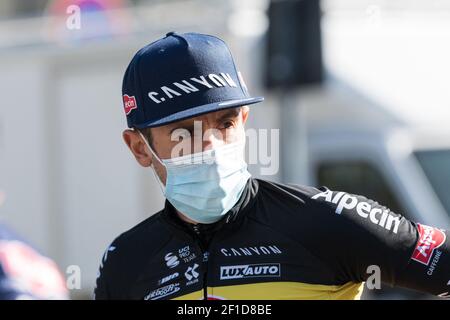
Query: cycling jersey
(278, 242)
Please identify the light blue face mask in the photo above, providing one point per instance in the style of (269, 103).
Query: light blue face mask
(206, 185)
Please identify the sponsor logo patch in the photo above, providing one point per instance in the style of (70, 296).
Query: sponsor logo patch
(192, 275)
(364, 209)
(250, 271)
(129, 103)
(251, 251)
(171, 260)
(163, 292)
(184, 254)
(168, 278)
(429, 239)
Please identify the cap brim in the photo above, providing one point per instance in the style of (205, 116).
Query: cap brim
(196, 111)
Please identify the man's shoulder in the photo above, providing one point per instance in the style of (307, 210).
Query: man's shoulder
(328, 212)
(149, 232)
(296, 192)
(320, 198)
(128, 253)
(147, 236)
(282, 204)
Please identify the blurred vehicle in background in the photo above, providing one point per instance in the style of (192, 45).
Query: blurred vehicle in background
(408, 171)
(369, 118)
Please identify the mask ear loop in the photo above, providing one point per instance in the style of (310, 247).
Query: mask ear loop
(161, 185)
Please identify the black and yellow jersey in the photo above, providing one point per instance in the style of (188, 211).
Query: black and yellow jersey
(278, 242)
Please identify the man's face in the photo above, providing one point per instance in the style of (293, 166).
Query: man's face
(188, 136)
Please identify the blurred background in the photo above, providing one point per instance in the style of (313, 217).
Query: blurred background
(359, 90)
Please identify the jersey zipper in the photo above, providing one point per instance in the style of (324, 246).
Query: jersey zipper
(205, 261)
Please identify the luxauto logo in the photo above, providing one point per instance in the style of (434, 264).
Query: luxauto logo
(250, 271)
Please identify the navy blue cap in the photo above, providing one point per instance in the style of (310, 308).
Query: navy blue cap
(181, 76)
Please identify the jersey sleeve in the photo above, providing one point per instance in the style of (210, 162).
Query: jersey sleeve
(363, 236)
(102, 289)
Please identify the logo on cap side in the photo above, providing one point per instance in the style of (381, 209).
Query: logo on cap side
(129, 103)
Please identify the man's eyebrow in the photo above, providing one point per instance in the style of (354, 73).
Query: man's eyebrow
(188, 125)
(233, 113)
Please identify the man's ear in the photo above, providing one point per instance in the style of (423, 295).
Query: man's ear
(138, 147)
(245, 110)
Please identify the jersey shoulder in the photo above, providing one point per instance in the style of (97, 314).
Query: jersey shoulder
(125, 257)
(292, 196)
(149, 236)
(148, 229)
(319, 206)
(297, 211)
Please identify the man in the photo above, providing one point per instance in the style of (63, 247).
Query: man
(225, 235)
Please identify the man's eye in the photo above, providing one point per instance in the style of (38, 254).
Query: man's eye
(227, 124)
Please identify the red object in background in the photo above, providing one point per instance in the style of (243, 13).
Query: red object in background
(98, 19)
(59, 7)
(32, 273)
